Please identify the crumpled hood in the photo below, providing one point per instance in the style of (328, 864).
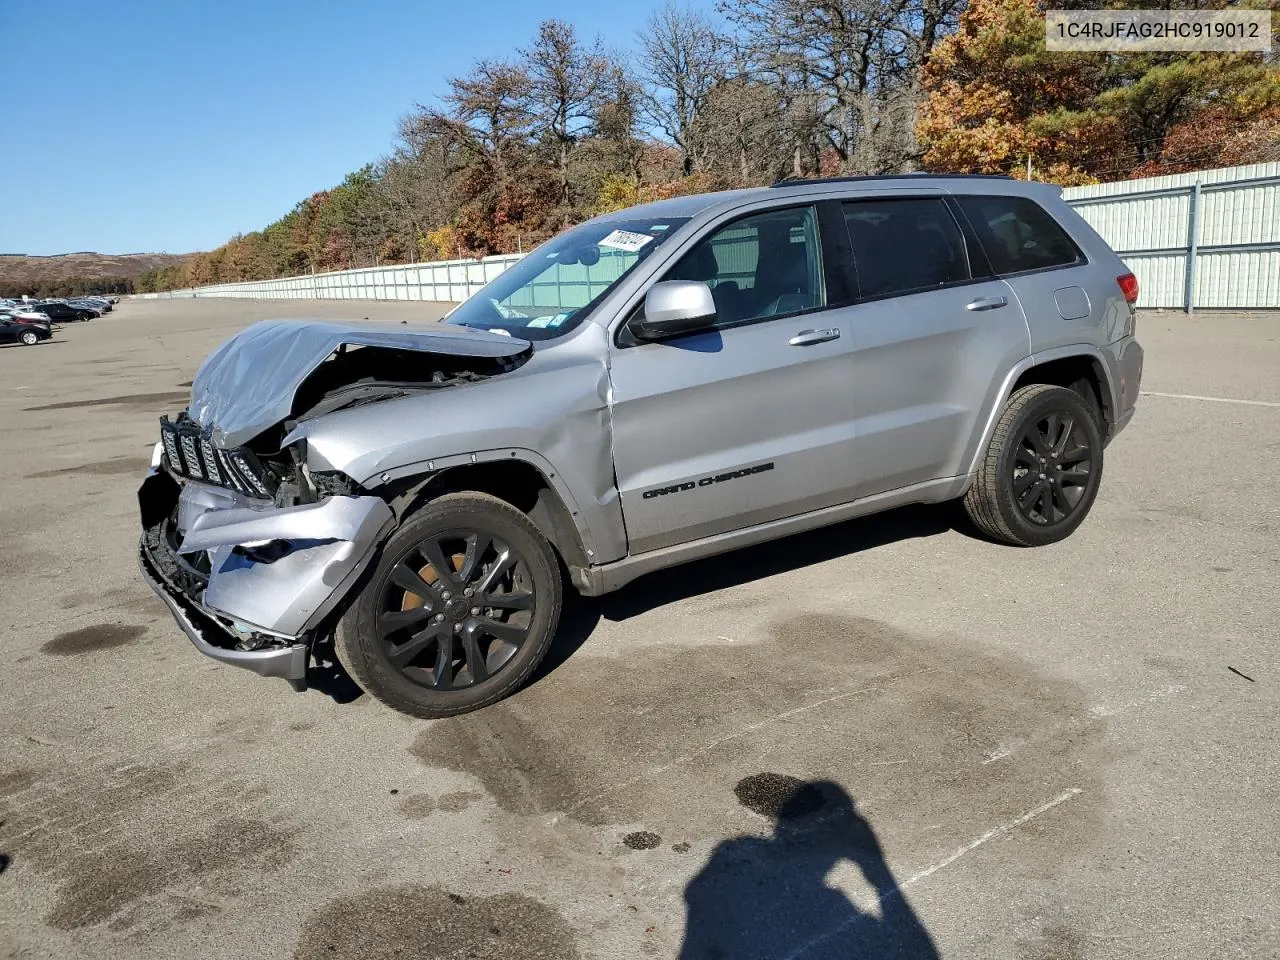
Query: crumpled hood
(248, 384)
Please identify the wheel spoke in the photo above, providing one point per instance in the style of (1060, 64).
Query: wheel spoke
(1049, 438)
(1068, 425)
(506, 560)
(400, 656)
(506, 632)
(1075, 477)
(1077, 453)
(510, 601)
(1023, 483)
(1043, 502)
(443, 673)
(477, 547)
(432, 553)
(1026, 458)
(407, 579)
(476, 666)
(1060, 501)
(392, 620)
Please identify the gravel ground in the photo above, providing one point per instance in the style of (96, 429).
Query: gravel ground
(883, 739)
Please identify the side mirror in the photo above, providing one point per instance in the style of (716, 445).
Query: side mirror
(674, 307)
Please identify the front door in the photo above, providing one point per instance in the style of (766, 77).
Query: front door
(752, 419)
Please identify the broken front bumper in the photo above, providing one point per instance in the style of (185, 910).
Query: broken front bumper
(246, 581)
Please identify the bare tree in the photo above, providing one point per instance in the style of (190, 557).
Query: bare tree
(684, 56)
(743, 132)
(854, 63)
(566, 84)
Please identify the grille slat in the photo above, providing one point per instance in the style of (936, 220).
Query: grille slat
(191, 453)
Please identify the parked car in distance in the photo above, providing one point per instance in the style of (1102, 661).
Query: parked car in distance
(17, 331)
(654, 386)
(65, 312)
(25, 315)
(96, 309)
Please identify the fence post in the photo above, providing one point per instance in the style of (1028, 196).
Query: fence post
(1193, 248)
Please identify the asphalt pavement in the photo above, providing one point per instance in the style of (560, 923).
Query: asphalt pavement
(887, 738)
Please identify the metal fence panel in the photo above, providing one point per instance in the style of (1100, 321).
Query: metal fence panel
(1215, 233)
(1204, 239)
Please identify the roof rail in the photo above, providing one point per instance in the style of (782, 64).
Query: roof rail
(795, 181)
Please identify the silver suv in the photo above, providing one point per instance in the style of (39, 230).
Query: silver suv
(659, 384)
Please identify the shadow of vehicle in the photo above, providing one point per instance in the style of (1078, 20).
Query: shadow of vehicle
(581, 615)
(767, 897)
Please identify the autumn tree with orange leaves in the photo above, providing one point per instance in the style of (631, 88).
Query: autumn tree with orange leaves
(996, 97)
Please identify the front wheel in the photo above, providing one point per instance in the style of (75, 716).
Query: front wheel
(461, 607)
(29, 338)
(1040, 475)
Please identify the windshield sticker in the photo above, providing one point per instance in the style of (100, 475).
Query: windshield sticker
(625, 240)
(537, 323)
(558, 319)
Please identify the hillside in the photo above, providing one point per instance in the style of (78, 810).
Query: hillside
(77, 272)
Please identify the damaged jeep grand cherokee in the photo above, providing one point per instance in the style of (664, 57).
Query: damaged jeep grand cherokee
(654, 386)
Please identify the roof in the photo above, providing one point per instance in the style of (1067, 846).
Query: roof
(693, 204)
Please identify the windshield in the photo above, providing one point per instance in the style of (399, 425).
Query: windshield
(552, 290)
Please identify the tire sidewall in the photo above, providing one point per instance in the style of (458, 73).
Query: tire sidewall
(360, 640)
(1059, 399)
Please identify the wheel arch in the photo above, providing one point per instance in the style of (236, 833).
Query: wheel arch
(529, 487)
(1063, 366)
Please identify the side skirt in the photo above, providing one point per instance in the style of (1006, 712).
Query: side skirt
(594, 581)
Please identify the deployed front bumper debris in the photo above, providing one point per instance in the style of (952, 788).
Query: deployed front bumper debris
(248, 581)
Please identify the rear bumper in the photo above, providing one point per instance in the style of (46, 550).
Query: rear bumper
(1128, 385)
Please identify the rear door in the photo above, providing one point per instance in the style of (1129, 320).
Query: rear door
(752, 419)
(934, 335)
(1047, 270)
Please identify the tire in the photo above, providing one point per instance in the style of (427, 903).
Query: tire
(457, 660)
(29, 337)
(1041, 471)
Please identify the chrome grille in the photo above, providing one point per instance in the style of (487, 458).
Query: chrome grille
(190, 453)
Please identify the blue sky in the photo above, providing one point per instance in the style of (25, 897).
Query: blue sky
(170, 126)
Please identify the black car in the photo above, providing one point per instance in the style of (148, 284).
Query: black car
(15, 331)
(65, 313)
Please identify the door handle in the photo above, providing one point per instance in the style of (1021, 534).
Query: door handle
(807, 338)
(987, 303)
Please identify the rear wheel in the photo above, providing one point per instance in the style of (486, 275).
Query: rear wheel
(460, 609)
(1040, 475)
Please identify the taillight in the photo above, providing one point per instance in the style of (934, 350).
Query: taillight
(1128, 286)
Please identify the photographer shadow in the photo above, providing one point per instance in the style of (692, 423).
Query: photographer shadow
(768, 898)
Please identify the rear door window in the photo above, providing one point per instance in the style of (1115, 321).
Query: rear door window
(904, 246)
(1018, 234)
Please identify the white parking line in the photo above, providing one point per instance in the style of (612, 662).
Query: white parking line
(1192, 396)
(951, 858)
(991, 834)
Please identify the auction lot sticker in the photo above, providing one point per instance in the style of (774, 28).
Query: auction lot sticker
(1150, 31)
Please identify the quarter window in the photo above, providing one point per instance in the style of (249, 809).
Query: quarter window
(764, 265)
(905, 246)
(1018, 234)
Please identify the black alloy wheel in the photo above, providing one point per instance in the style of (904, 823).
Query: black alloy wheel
(1052, 468)
(456, 609)
(1040, 474)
